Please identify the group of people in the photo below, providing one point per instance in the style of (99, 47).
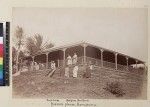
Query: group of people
(36, 66)
(72, 66)
(71, 62)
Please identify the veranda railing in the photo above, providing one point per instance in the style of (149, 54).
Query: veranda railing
(89, 60)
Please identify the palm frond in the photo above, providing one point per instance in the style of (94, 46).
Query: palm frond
(19, 33)
(36, 45)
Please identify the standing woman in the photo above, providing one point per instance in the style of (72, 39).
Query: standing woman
(75, 71)
(75, 58)
(69, 61)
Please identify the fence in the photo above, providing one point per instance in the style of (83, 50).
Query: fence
(89, 60)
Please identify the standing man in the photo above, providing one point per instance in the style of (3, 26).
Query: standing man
(75, 58)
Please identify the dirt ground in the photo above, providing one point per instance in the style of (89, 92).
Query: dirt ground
(37, 85)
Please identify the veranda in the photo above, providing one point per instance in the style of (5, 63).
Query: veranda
(86, 53)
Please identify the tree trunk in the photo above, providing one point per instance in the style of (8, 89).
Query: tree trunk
(17, 59)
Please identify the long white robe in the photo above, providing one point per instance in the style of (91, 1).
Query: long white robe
(75, 71)
(67, 72)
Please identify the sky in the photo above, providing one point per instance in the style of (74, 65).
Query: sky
(123, 30)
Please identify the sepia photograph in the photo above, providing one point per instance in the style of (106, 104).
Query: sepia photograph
(79, 53)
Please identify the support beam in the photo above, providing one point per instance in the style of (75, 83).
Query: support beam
(136, 63)
(21, 64)
(32, 67)
(116, 60)
(33, 57)
(127, 59)
(84, 59)
(64, 56)
(102, 50)
(145, 68)
(47, 60)
(58, 63)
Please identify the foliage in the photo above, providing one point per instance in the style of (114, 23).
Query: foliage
(14, 52)
(19, 35)
(36, 44)
(14, 55)
(33, 46)
(115, 88)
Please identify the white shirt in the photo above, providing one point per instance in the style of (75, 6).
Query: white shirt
(75, 59)
(53, 65)
(69, 60)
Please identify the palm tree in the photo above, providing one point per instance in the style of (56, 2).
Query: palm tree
(20, 57)
(36, 44)
(14, 52)
(19, 35)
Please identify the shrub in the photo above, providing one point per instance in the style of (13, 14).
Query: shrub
(115, 88)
